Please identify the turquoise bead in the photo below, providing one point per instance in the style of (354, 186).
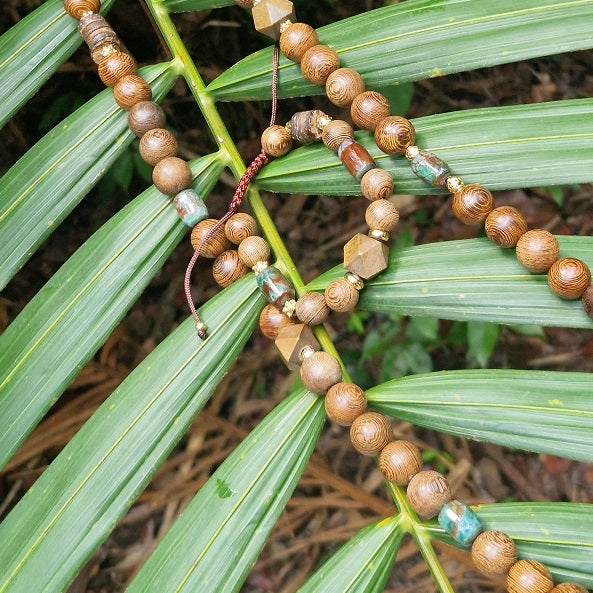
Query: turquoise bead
(460, 522)
(190, 207)
(275, 286)
(430, 168)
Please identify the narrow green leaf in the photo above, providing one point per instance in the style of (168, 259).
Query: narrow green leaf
(187, 5)
(78, 500)
(216, 540)
(542, 411)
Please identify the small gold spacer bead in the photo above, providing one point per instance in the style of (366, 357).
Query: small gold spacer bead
(289, 308)
(86, 13)
(201, 326)
(323, 120)
(379, 235)
(284, 25)
(306, 352)
(411, 152)
(287, 126)
(454, 184)
(259, 267)
(355, 280)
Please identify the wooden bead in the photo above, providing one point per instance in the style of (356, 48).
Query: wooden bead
(342, 85)
(171, 175)
(376, 184)
(400, 461)
(588, 301)
(227, 268)
(364, 256)
(320, 371)
(382, 215)
(569, 588)
(537, 250)
(344, 403)
(115, 66)
(427, 492)
(505, 225)
(271, 321)
(157, 145)
(312, 309)
(494, 552)
(341, 296)
(370, 433)
(569, 277)
(130, 90)
(245, 3)
(296, 39)
(529, 576)
(145, 116)
(368, 109)
(472, 204)
(269, 15)
(215, 245)
(336, 132)
(318, 62)
(77, 8)
(394, 134)
(254, 249)
(240, 226)
(276, 141)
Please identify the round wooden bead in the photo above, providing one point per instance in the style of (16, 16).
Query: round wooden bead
(569, 277)
(145, 116)
(472, 204)
(227, 268)
(318, 62)
(245, 3)
(240, 226)
(254, 249)
(157, 145)
(494, 552)
(427, 492)
(341, 296)
(130, 90)
(344, 403)
(394, 134)
(272, 320)
(115, 66)
(215, 244)
(569, 588)
(320, 371)
(335, 133)
(376, 184)
(370, 433)
(276, 141)
(537, 250)
(77, 8)
(529, 576)
(382, 215)
(505, 225)
(343, 85)
(588, 301)
(368, 109)
(400, 461)
(296, 39)
(312, 309)
(171, 175)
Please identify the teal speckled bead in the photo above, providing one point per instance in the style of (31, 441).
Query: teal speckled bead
(460, 522)
(190, 207)
(430, 168)
(275, 286)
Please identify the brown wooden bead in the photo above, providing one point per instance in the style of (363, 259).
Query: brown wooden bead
(588, 301)
(320, 371)
(130, 90)
(312, 309)
(157, 145)
(472, 204)
(115, 66)
(145, 116)
(254, 249)
(364, 256)
(370, 433)
(400, 461)
(318, 62)
(276, 141)
(382, 215)
(494, 552)
(272, 320)
(336, 132)
(537, 250)
(341, 296)
(240, 226)
(427, 492)
(376, 184)
(569, 588)
(245, 3)
(227, 268)
(77, 8)
(215, 245)
(344, 403)
(296, 39)
(342, 85)
(368, 109)
(529, 576)
(171, 175)
(291, 342)
(505, 225)
(569, 277)
(268, 16)
(394, 134)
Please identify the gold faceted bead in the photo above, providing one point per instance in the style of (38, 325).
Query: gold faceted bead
(289, 307)
(370, 432)
(276, 140)
(312, 309)
(427, 492)
(268, 15)
(344, 403)
(529, 576)
(412, 152)
(292, 340)
(355, 280)
(364, 256)
(379, 235)
(320, 371)
(454, 184)
(259, 267)
(341, 295)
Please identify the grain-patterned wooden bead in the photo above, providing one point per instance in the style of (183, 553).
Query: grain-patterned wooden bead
(318, 62)
(505, 225)
(157, 145)
(296, 39)
(254, 249)
(588, 301)
(130, 90)
(240, 226)
(292, 340)
(276, 140)
(145, 116)
(271, 321)
(320, 371)
(472, 204)
(529, 576)
(400, 461)
(270, 15)
(537, 250)
(336, 132)
(312, 309)
(494, 552)
(569, 277)
(344, 403)
(227, 268)
(215, 244)
(427, 492)
(370, 433)
(78, 8)
(382, 215)
(376, 184)
(341, 296)
(569, 588)
(171, 175)
(394, 134)
(368, 109)
(115, 66)
(343, 85)
(245, 3)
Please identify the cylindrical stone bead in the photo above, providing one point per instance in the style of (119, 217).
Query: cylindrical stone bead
(569, 277)
(318, 62)
(312, 309)
(368, 109)
(394, 134)
(494, 552)
(157, 145)
(320, 371)
(303, 126)
(116, 66)
(343, 85)
(537, 250)
(227, 268)
(171, 175)
(472, 204)
(400, 461)
(588, 301)
(240, 226)
(569, 588)
(216, 243)
(190, 207)
(382, 215)
(271, 321)
(376, 184)
(355, 158)
(77, 8)
(130, 90)
(254, 249)
(370, 433)
(505, 225)
(344, 403)
(145, 116)
(336, 133)
(275, 286)
(460, 522)
(341, 296)
(296, 39)
(430, 168)
(529, 576)
(427, 492)
(99, 36)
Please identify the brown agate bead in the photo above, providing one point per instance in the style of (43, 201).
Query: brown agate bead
(370, 433)
(356, 158)
(341, 296)
(276, 141)
(494, 552)
(296, 39)
(529, 576)
(240, 226)
(588, 301)
(505, 225)
(77, 8)
(130, 90)
(312, 309)
(215, 245)
(537, 250)
(569, 277)
(472, 204)
(145, 116)
(344, 403)
(343, 85)
(368, 109)
(569, 588)
(157, 145)
(382, 215)
(254, 249)
(115, 66)
(394, 134)
(427, 492)
(271, 321)
(376, 184)
(318, 62)
(336, 133)
(320, 371)
(400, 461)
(227, 268)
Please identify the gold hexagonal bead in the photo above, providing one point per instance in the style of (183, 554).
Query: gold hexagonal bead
(292, 340)
(268, 16)
(364, 256)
